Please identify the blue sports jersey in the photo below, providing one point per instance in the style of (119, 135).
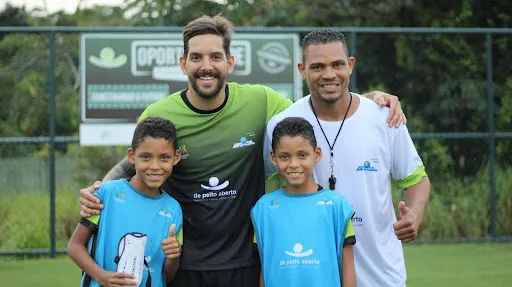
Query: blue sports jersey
(301, 237)
(127, 210)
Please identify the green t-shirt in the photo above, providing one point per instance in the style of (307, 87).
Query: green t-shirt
(220, 176)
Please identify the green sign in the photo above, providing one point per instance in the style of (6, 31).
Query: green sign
(123, 73)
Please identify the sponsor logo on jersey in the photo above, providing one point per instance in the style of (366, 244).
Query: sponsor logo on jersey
(215, 190)
(165, 212)
(357, 220)
(366, 167)
(274, 203)
(243, 143)
(298, 251)
(119, 197)
(148, 259)
(301, 258)
(183, 150)
(324, 202)
(214, 184)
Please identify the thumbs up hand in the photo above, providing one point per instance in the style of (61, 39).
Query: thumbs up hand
(406, 229)
(170, 245)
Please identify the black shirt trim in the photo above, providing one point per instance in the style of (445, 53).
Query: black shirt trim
(204, 112)
(349, 240)
(88, 224)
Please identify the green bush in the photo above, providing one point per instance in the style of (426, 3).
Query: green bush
(95, 162)
(25, 219)
(460, 208)
(504, 191)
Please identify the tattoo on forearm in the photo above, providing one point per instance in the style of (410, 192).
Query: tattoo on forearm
(124, 169)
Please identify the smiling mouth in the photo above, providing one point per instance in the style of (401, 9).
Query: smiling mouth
(329, 86)
(206, 78)
(294, 173)
(154, 176)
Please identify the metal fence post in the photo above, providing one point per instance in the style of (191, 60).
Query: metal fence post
(491, 135)
(353, 52)
(51, 103)
(492, 145)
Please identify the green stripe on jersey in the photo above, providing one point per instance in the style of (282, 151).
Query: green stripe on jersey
(414, 178)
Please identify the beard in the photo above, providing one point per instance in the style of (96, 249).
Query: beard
(331, 99)
(202, 93)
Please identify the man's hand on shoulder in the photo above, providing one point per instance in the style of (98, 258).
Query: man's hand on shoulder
(90, 204)
(396, 115)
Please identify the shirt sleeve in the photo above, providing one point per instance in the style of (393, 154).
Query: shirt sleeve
(148, 112)
(143, 115)
(93, 221)
(254, 219)
(270, 169)
(350, 235)
(275, 103)
(179, 224)
(346, 232)
(406, 164)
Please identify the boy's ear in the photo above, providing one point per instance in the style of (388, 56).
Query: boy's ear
(177, 157)
(273, 158)
(318, 154)
(131, 155)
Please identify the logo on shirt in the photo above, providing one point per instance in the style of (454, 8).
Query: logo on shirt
(215, 190)
(366, 167)
(214, 184)
(357, 220)
(324, 202)
(298, 251)
(119, 197)
(300, 258)
(274, 203)
(183, 150)
(165, 212)
(243, 143)
(148, 259)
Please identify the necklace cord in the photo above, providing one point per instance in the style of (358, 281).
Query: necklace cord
(341, 126)
(332, 179)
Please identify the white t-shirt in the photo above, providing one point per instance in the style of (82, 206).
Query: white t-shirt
(366, 154)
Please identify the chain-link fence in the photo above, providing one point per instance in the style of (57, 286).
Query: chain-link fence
(461, 128)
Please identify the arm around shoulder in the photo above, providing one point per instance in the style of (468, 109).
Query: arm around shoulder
(124, 169)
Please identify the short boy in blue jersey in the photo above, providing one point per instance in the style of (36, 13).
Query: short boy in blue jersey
(304, 233)
(136, 239)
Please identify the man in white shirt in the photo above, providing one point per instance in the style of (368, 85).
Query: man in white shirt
(361, 155)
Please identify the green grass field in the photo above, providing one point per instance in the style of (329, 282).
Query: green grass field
(427, 265)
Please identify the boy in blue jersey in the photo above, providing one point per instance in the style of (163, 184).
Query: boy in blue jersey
(304, 233)
(136, 239)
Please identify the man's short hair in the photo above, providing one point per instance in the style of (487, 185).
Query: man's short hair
(323, 36)
(207, 25)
